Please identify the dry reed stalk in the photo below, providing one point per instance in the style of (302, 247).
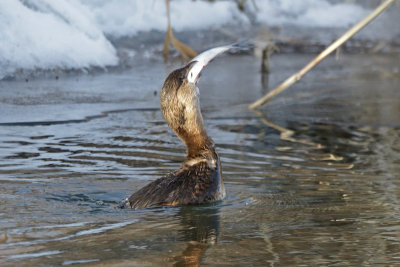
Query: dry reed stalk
(346, 36)
(186, 52)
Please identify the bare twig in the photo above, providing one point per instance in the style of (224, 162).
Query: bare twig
(297, 76)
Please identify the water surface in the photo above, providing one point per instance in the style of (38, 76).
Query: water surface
(311, 179)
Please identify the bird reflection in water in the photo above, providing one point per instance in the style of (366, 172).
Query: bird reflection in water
(200, 230)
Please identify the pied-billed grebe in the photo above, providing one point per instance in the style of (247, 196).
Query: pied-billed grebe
(199, 180)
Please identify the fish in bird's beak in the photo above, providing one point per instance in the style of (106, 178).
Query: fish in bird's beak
(198, 63)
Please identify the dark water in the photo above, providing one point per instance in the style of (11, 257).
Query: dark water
(312, 178)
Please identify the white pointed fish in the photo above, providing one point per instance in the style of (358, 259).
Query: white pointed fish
(200, 61)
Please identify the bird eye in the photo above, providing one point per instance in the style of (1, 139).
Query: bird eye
(181, 79)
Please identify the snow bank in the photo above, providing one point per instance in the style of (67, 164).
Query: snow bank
(50, 34)
(70, 34)
(126, 17)
(309, 13)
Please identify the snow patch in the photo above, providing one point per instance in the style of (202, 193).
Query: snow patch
(50, 34)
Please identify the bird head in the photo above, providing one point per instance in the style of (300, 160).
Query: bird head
(179, 95)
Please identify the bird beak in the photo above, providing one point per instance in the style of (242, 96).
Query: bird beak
(198, 63)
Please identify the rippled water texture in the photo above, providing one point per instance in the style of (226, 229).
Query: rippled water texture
(312, 179)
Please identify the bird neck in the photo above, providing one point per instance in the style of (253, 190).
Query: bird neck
(184, 117)
(193, 133)
(197, 145)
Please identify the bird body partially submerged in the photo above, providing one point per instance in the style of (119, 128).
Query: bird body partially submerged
(198, 183)
(199, 180)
